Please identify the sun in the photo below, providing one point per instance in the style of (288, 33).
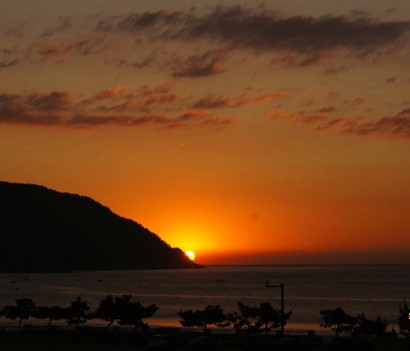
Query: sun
(190, 254)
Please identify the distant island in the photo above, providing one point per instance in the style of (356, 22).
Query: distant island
(42, 230)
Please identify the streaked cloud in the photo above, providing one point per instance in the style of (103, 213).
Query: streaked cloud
(8, 63)
(61, 109)
(206, 64)
(215, 102)
(265, 30)
(396, 126)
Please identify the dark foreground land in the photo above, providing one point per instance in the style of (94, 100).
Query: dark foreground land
(90, 340)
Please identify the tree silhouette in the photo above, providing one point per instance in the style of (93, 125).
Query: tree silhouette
(22, 310)
(76, 313)
(271, 318)
(53, 313)
(112, 308)
(370, 327)
(338, 320)
(108, 310)
(253, 318)
(211, 315)
(245, 319)
(133, 313)
(404, 320)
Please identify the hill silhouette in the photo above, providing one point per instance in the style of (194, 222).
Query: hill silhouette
(42, 230)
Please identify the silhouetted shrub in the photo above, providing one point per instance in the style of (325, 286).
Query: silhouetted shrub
(253, 319)
(370, 327)
(76, 313)
(211, 315)
(53, 313)
(133, 313)
(22, 310)
(404, 320)
(338, 320)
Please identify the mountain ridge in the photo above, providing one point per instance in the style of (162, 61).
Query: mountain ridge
(45, 230)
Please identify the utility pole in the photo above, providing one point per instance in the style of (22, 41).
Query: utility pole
(282, 303)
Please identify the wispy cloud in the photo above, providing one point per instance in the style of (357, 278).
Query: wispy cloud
(215, 102)
(396, 126)
(206, 64)
(8, 63)
(61, 109)
(264, 30)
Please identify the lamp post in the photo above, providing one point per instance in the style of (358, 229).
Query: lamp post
(282, 303)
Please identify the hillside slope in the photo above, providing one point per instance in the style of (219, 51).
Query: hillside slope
(45, 230)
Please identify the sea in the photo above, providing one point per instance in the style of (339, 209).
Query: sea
(376, 290)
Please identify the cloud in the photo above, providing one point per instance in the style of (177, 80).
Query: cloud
(49, 102)
(360, 100)
(397, 126)
(328, 109)
(207, 64)
(16, 109)
(212, 102)
(63, 24)
(144, 98)
(61, 109)
(264, 30)
(8, 63)
(299, 60)
(52, 50)
(215, 102)
(185, 120)
(390, 80)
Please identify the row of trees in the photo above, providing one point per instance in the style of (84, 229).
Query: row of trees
(252, 319)
(121, 309)
(341, 322)
(124, 311)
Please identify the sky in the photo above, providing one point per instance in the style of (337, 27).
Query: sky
(250, 132)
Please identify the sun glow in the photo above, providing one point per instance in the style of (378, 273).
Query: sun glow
(190, 254)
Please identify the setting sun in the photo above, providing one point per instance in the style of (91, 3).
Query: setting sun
(190, 255)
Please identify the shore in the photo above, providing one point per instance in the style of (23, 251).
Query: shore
(177, 339)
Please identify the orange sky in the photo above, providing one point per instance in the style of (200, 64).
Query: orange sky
(266, 132)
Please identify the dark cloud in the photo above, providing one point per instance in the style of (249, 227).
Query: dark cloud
(217, 123)
(61, 109)
(16, 109)
(51, 50)
(298, 60)
(63, 24)
(214, 102)
(8, 57)
(188, 119)
(264, 30)
(405, 112)
(390, 80)
(360, 100)
(142, 99)
(207, 64)
(6, 63)
(328, 109)
(395, 126)
(49, 102)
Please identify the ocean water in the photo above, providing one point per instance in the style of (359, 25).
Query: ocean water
(374, 290)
